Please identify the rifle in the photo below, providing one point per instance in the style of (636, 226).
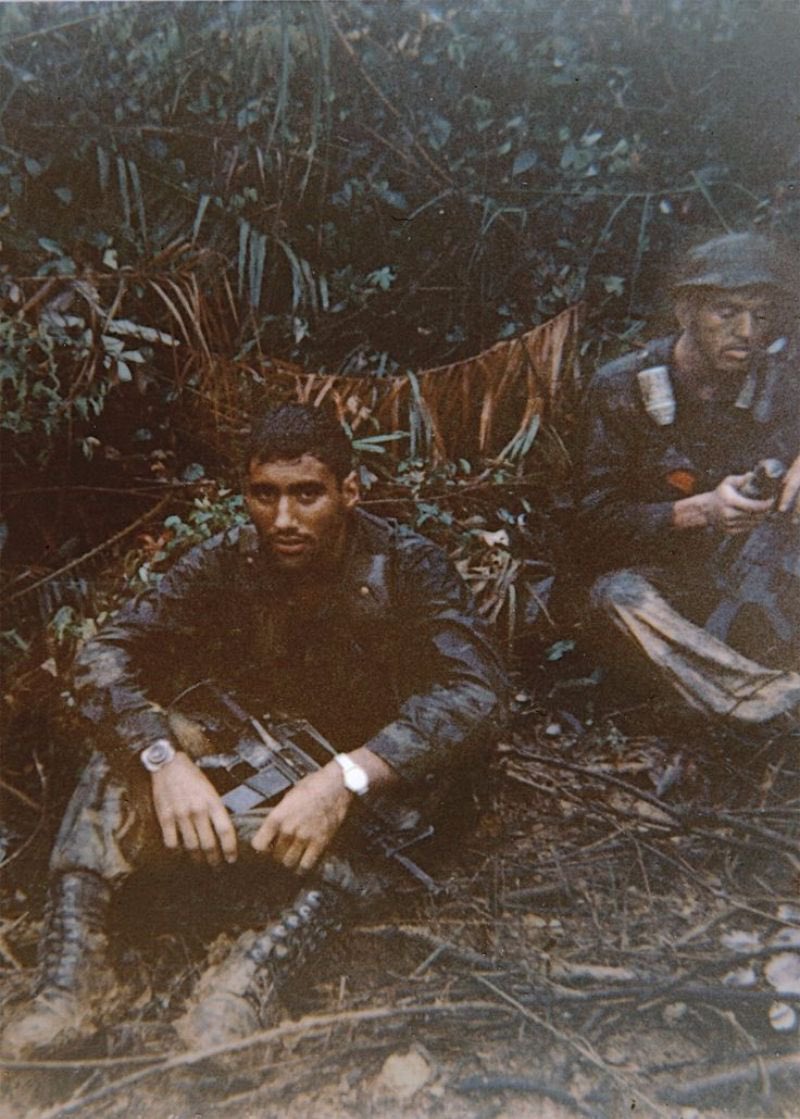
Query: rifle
(760, 573)
(267, 756)
(764, 480)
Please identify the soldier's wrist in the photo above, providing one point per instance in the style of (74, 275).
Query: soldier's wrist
(157, 754)
(693, 512)
(354, 777)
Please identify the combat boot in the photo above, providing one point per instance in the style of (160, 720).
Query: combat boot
(239, 996)
(74, 973)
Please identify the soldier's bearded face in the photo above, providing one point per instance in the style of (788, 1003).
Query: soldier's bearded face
(301, 511)
(728, 329)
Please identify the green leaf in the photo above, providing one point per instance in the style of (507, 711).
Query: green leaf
(439, 130)
(193, 473)
(614, 285)
(202, 206)
(61, 622)
(524, 161)
(559, 649)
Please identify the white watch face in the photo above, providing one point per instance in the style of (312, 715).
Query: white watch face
(157, 755)
(355, 778)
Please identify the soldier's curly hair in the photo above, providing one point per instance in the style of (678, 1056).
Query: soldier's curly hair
(292, 430)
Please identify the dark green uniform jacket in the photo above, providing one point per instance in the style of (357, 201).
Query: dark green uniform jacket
(631, 467)
(396, 659)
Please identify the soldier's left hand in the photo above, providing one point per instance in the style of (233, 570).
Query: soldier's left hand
(300, 827)
(789, 501)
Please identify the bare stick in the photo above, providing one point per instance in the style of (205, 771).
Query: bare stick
(751, 1072)
(305, 1026)
(580, 1046)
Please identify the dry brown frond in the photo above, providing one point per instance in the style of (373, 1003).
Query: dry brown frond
(486, 406)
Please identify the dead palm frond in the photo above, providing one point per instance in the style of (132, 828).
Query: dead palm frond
(488, 406)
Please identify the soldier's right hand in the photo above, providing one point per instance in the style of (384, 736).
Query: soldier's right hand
(729, 509)
(191, 813)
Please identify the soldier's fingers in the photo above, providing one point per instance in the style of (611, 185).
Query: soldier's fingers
(749, 506)
(208, 839)
(281, 845)
(292, 854)
(265, 836)
(311, 856)
(790, 493)
(169, 833)
(226, 833)
(188, 834)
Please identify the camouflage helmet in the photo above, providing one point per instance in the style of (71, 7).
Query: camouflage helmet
(737, 260)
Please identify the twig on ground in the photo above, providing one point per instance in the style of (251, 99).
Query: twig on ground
(304, 1027)
(439, 947)
(8, 953)
(29, 801)
(750, 1072)
(685, 817)
(580, 1045)
(502, 1082)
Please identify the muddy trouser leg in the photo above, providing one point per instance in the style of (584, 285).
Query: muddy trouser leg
(96, 849)
(710, 675)
(110, 830)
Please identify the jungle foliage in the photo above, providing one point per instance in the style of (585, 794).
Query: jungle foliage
(361, 187)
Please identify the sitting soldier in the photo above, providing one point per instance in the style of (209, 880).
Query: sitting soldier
(702, 556)
(316, 609)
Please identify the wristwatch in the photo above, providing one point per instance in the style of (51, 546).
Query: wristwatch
(157, 755)
(355, 778)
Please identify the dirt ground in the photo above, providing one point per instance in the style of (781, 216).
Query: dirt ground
(618, 934)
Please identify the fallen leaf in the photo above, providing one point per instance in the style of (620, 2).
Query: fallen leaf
(782, 1017)
(783, 973)
(403, 1074)
(741, 941)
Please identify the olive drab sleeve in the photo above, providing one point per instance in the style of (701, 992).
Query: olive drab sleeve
(460, 688)
(117, 673)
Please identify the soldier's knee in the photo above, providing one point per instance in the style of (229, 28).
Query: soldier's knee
(96, 821)
(617, 589)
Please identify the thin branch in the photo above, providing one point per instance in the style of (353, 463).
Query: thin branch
(581, 1046)
(303, 1028)
(106, 544)
(751, 1072)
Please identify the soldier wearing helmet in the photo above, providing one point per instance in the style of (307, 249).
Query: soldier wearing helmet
(698, 570)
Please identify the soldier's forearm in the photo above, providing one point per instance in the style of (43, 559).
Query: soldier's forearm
(692, 512)
(380, 773)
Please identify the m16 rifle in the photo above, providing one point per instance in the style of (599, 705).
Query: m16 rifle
(264, 757)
